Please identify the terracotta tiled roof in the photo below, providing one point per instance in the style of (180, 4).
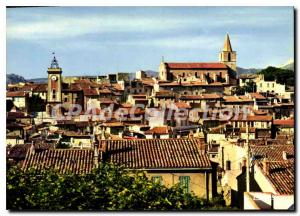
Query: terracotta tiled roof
(113, 124)
(281, 176)
(126, 105)
(158, 130)
(18, 114)
(260, 142)
(233, 99)
(42, 87)
(260, 112)
(156, 153)
(257, 95)
(253, 118)
(139, 95)
(106, 101)
(182, 105)
(148, 81)
(117, 87)
(284, 122)
(169, 84)
(200, 65)
(190, 97)
(16, 94)
(164, 93)
(17, 151)
(77, 161)
(210, 96)
(273, 152)
(90, 91)
(105, 91)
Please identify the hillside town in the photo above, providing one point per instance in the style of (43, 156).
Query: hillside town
(198, 124)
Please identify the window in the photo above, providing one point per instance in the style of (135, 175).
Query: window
(196, 74)
(157, 179)
(53, 94)
(273, 85)
(185, 183)
(228, 165)
(183, 74)
(66, 99)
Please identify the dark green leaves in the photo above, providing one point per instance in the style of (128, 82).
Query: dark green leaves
(108, 187)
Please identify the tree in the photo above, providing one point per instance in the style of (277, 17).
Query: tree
(107, 187)
(282, 76)
(36, 104)
(248, 87)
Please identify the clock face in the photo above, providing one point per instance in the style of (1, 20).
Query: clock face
(54, 78)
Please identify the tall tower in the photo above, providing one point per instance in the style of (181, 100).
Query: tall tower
(227, 56)
(54, 85)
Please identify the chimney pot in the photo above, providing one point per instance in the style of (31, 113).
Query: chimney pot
(266, 166)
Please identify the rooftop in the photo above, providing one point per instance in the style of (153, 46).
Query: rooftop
(156, 153)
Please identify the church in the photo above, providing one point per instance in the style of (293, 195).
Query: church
(223, 72)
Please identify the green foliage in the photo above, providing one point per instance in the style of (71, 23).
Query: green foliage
(248, 87)
(282, 76)
(108, 187)
(36, 104)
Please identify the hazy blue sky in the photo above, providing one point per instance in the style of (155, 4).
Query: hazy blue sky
(101, 40)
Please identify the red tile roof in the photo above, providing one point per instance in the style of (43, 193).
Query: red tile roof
(253, 118)
(284, 122)
(16, 94)
(273, 152)
(41, 87)
(257, 95)
(77, 161)
(158, 130)
(156, 153)
(190, 97)
(210, 96)
(182, 105)
(239, 99)
(281, 176)
(213, 65)
(90, 92)
(105, 91)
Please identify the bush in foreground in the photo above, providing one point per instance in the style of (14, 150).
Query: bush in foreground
(108, 187)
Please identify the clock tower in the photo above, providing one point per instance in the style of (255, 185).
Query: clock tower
(54, 85)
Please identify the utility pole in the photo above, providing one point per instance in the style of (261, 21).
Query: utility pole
(247, 159)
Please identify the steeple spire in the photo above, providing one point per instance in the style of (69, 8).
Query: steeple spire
(227, 44)
(54, 63)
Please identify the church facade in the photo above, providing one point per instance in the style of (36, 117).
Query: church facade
(222, 72)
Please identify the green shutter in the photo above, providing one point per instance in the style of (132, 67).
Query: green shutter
(185, 183)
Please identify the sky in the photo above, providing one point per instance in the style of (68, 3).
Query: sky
(102, 40)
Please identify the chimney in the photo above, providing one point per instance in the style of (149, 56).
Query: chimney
(266, 166)
(32, 149)
(96, 156)
(284, 155)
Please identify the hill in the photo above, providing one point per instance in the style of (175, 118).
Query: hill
(14, 78)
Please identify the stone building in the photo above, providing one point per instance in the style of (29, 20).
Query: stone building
(223, 71)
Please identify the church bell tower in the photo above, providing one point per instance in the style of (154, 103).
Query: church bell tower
(54, 85)
(227, 56)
